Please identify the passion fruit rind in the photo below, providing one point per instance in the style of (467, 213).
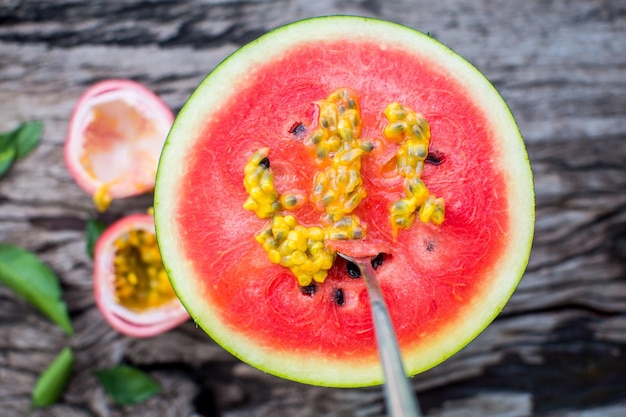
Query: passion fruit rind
(338, 187)
(114, 139)
(131, 287)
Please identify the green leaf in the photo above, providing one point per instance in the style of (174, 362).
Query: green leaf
(94, 229)
(127, 385)
(27, 137)
(34, 281)
(18, 143)
(51, 383)
(7, 139)
(8, 154)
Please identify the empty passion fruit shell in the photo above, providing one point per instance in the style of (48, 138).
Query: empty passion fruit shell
(131, 287)
(114, 140)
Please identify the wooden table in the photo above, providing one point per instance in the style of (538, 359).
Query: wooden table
(559, 347)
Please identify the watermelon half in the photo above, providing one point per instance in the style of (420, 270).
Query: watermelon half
(443, 283)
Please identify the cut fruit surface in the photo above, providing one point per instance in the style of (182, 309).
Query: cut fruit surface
(114, 139)
(131, 287)
(246, 153)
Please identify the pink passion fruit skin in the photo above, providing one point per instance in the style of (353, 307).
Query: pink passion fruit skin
(145, 324)
(115, 136)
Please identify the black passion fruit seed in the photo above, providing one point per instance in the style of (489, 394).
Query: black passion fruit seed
(265, 162)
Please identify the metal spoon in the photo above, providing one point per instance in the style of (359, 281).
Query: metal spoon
(401, 400)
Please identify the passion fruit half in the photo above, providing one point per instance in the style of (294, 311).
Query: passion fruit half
(114, 139)
(131, 286)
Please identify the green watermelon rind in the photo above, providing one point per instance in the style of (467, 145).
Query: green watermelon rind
(217, 88)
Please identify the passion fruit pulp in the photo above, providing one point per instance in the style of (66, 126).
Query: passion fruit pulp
(131, 287)
(114, 139)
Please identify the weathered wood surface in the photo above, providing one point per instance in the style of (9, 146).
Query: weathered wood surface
(558, 349)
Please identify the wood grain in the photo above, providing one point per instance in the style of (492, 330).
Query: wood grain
(558, 348)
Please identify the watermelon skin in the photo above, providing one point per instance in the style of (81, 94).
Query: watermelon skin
(443, 284)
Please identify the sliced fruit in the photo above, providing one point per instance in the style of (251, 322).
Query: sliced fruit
(114, 139)
(354, 135)
(131, 287)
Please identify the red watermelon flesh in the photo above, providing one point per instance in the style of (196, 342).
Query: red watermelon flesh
(433, 277)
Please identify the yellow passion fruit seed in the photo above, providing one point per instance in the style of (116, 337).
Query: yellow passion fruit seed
(299, 248)
(412, 131)
(140, 279)
(102, 198)
(337, 189)
(259, 183)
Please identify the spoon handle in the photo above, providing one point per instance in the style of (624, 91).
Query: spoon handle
(401, 399)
